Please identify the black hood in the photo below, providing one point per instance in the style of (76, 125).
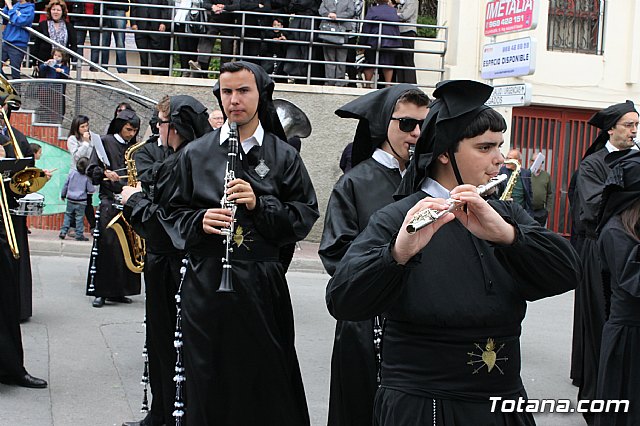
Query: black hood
(189, 117)
(622, 187)
(266, 110)
(457, 103)
(605, 120)
(373, 110)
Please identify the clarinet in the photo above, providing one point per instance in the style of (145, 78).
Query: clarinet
(226, 285)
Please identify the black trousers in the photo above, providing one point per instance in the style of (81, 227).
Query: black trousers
(155, 59)
(406, 60)
(11, 353)
(161, 277)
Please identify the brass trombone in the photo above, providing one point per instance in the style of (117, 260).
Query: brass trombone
(8, 222)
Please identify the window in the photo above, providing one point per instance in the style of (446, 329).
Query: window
(576, 26)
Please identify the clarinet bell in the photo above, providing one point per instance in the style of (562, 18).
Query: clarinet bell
(226, 286)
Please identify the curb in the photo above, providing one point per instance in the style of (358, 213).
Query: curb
(65, 248)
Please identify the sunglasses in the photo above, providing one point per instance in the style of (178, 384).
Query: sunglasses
(408, 124)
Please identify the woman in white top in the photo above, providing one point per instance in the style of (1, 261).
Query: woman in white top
(80, 143)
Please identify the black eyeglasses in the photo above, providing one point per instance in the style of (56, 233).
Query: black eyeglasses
(408, 124)
(159, 122)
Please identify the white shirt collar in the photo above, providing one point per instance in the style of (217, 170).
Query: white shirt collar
(387, 160)
(612, 148)
(434, 189)
(247, 144)
(120, 139)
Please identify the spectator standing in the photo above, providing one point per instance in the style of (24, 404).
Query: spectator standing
(299, 51)
(247, 47)
(76, 190)
(115, 22)
(334, 9)
(352, 70)
(80, 143)
(83, 21)
(522, 193)
(52, 105)
(56, 28)
(381, 12)
(223, 30)
(273, 47)
(187, 43)
(408, 14)
(15, 37)
(145, 41)
(542, 189)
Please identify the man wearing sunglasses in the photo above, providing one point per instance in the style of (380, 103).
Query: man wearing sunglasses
(389, 124)
(618, 126)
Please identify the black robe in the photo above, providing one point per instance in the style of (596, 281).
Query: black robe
(457, 300)
(240, 361)
(619, 369)
(23, 267)
(11, 353)
(161, 274)
(108, 274)
(589, 296)
(356, 196)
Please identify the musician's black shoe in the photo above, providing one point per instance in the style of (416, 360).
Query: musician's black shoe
(82, 238)
(62, 236)
(98, 302)
(26, 381)
(121, 299)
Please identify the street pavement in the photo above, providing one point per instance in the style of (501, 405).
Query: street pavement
(92, 357)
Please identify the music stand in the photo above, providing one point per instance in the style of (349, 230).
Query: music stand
(11, 165)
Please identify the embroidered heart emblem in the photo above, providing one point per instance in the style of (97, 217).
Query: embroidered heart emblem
(489, 358)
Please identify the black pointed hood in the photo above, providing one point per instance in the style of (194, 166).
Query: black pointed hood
(457, 103)
(189, 117)
(266, 110)
(605, 120)
(373, 110)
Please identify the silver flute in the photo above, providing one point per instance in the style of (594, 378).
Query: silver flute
(427, 216)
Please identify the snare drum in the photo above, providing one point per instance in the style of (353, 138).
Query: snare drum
(30, 205)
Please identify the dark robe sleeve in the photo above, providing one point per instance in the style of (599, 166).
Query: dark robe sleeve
(148, 160)
(621, 253)
(289, 217)
(180, 220)
(535, 246)
(368, 280)
(589, 189)
(340, 226)
(95, 169)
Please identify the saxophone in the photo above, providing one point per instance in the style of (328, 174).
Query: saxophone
(511, 183)
(132, 244)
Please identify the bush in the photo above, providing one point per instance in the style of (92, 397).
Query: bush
(427, 32)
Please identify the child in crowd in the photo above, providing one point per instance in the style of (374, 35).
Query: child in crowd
(272, 47)
(75, 191)
(37, 150)
(57, 66)
(52, 105)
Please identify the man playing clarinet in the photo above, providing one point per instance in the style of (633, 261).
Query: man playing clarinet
(240, 361)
